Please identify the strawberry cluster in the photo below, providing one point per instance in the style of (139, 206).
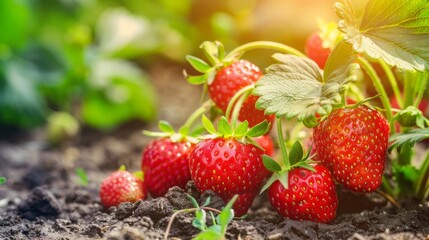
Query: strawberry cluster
(238, 156)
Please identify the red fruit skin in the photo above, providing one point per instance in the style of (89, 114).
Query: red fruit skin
(310, 195)
(315, 50)
(119, 187)
(165, 165)
(352, 143)
(266, 142)
(228, 167)
(228, 81)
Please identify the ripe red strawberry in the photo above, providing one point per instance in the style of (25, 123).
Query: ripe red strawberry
(121, 186)
(266, 142)
(232, 78)
(310, 195)
(228, 167)
(165, 165)
(352, 143)
(314, 50)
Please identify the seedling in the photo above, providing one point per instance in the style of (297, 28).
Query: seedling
(217, 230)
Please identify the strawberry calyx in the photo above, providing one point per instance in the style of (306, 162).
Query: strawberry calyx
(410, 117)
(241, 132)
(217, 58)
(295, 159)
(186, 132)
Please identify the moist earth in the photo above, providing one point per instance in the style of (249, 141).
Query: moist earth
(43, 200)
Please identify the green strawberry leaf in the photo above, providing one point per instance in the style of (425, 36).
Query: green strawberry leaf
(206, 203)
(227, 214)
(211, 233)
(396, 31)
(193, 201)
(83, 176)
(409, 138)
(198, 64)
(200, 220)
(290, 87)
(165, 126)
(271, 164)
(295, 87)
(208, 125)
(259, 129)
(223, 127)
(296, 153)
(241, 129)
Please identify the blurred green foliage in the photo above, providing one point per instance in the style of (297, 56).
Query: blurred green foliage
(79, 56)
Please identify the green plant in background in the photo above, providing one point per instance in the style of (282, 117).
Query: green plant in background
(78, 57)
(2, 180)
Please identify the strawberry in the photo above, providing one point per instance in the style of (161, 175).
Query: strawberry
(166, 164)
(228, 165)
(352, 143)
(121, 186)
(314, 49)
(309, 196)
(231, 79)
(266, 142)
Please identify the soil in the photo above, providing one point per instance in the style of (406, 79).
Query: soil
(43, 198)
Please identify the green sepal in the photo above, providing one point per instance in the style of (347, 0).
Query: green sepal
(139, 175)
(196, 80)
(165, 126)
(224, 128)
(259, 129)
(310, 122)
(296, 153)
(208, 125)
(198, 64)
(271, 164)
(253, 142)
(284, 179)
(269, 182)
(122, 168)
(156, 134)
(241, 129)
(306, 165)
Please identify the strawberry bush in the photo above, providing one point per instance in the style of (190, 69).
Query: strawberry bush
(318, 106)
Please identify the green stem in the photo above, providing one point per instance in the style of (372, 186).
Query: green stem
(421, 90)
(234, 98)
(237, 108)
(264, 45)
(197, 114)
(380, 89)
(409, 88)
(393, 82)
(423, 181)
(282, 143)
(388, 187)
